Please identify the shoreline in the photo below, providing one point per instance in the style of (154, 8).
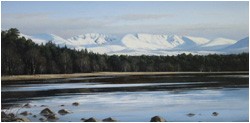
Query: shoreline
(61, 76)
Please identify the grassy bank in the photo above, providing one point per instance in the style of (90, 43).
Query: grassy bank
(57, 76)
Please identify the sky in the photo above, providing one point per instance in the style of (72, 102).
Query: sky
(211, 20)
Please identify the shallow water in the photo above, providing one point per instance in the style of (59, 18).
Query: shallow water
(135, 98)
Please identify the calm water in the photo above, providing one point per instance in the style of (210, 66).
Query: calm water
(135, 98)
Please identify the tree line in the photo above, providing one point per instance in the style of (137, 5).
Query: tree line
(22, 56)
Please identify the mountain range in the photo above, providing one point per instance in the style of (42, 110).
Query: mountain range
(145, 44)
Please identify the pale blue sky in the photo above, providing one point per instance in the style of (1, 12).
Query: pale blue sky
(66, 19)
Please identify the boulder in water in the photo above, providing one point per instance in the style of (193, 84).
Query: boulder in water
(190, 114)
(24, 119)
(42, 119)
(52, 117)
(90, 120)
(25, 113)
(215, 113)
(63, 112)
(27, 105)
(75, 104)
(109, 120)
(46, 112)
(157, 119)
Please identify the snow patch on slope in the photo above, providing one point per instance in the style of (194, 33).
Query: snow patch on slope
(219, 41)
(198, 40)
(35, 40)
(92, 38)
(151, 41)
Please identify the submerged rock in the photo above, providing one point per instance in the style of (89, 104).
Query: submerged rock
(215, 113)
(25, 113)
(43, 106)
(90, 120)
(157, 119)
(190, 114)
(63, 112)
(75, 104)
(109, 120)
(34, 116)
(62, 105)
(27, 105)
(47, 112)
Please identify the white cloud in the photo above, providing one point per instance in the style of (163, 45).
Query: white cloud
(133, 17)
(131, 23)
(43, 23)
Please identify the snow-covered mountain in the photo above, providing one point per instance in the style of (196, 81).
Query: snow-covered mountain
(92, 39)
(96, 42)
(44, 38)
(218, 43)
(141, 43)
(161, 42)
(240, 46)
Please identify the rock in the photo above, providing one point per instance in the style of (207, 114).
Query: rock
(109, 120)
(25, 113)
(3, 114)
(46, 112)
(62, 105)
(42, 119)
(190, 114)
(24, 119)
(90, 120)
(27, 105)
(63, 112)
(83, 119)
(75, 104)
(34, 116)
(12, 118)
(11, 115)
(7, 117)
(43, 106)
(157, 119)
(52, 117)
(215, 113)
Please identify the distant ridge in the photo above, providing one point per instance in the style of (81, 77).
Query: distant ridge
(147, 44)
